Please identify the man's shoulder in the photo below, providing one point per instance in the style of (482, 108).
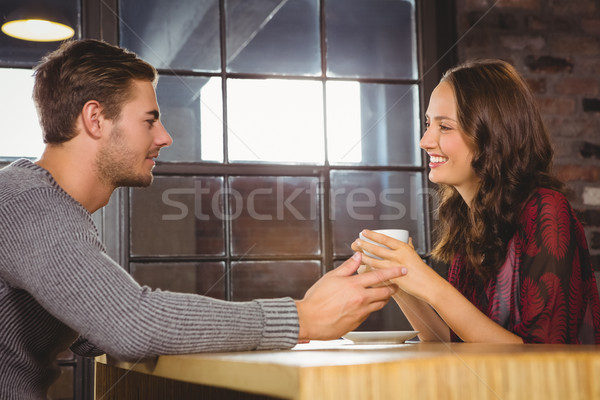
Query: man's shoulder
(22, 167)
(20, 177)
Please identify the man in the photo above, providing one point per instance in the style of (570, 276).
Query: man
(101, 125)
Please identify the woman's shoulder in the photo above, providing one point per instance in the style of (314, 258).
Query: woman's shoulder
(549, 213)
(545, 201)
(547, 208)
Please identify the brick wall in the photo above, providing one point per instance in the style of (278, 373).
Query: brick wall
(555, 44)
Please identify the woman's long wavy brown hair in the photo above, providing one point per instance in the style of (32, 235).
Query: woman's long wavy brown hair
(512, 156)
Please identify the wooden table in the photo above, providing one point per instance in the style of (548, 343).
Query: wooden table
(340, 370)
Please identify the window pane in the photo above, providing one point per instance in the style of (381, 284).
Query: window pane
(205, 278)
(274, 216)
(275, 120)
(273, 37)
(23, 53)
(20, 132)
(371, 38)
(178, 216)
(181, 34)
(373, 124)
(376, 200)
(271, 279)
(192, 111)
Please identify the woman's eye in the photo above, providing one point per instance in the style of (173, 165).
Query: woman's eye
(445, 128)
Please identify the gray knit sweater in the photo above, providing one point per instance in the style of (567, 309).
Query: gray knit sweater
(56, 282)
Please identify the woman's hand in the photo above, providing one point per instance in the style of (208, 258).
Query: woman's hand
(420, 280)
(423, 283)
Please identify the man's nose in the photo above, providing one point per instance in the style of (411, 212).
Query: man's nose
(163, 138)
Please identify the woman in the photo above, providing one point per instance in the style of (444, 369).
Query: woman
(520, 268)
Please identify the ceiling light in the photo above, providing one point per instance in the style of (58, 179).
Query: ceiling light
(37, 24)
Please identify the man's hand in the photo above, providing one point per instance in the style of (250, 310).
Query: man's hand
(341, 300)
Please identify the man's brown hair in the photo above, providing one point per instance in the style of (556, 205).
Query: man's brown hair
(80, 71)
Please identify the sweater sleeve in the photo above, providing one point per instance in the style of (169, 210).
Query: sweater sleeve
(84, 348)
(53, 252)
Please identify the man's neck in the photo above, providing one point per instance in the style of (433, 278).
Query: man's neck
(75, 173)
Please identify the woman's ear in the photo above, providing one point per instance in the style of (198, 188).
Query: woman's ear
(92, 118)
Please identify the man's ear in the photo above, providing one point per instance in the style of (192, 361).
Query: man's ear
(92, 118)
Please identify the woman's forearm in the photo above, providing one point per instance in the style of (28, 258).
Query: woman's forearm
(466, 320)
(422, 318)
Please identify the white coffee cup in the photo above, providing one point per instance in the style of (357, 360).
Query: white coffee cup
(398, 234)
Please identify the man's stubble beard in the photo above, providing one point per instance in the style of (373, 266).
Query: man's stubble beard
(116, 164)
